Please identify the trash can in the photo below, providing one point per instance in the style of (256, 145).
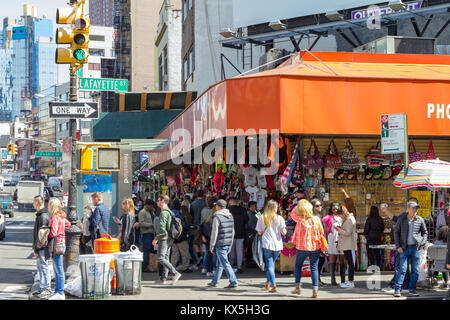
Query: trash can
(128, 271)
(95, 275)
(108, 244)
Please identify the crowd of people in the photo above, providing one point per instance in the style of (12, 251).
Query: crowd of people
(217, 235)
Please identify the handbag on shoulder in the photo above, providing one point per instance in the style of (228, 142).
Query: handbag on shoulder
(59, 248)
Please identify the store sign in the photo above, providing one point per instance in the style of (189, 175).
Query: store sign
(393, 133)
(382, 10)
(424, 198)
(95, 84)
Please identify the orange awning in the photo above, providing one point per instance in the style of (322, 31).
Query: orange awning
(325, 93)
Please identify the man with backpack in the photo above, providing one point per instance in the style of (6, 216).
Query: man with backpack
(169, 229)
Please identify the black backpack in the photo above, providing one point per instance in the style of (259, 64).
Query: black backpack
(176, 227)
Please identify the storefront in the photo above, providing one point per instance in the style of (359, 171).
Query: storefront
(325, 97)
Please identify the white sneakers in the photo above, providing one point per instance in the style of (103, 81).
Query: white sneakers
(347, 285)
(175, 278)
(204, 271)
(193, 268)
(210, 274)
(57, 296)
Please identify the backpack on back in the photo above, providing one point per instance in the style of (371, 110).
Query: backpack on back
(176, 227)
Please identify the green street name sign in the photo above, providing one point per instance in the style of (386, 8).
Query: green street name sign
(95, 84)
(47, 154)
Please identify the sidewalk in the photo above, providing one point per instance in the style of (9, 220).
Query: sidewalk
(193, 286)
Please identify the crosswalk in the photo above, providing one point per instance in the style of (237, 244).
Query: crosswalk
(14, 292)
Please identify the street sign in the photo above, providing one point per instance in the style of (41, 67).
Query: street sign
(393, 133)
(73, 110)
(96, 84)
(47, 154)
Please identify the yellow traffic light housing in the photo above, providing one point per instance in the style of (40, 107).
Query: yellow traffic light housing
(14, 149)
(86, 154)
(9, 149)
(77, 35)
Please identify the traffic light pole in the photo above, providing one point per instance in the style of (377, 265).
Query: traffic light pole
(73, 234)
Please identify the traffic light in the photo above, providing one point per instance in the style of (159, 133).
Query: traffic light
(14, 149)
(77, 35)
(86, 154)
(9, 149)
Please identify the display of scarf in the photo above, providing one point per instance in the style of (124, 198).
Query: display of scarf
(287, 174)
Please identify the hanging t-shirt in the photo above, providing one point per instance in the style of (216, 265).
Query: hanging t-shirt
(252, 192)
(271, 238)
(250, 175)
(262, 182)
(260, 198)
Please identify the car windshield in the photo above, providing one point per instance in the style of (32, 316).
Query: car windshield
(5, 198)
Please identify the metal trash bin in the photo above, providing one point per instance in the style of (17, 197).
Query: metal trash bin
(128, 271)
(95, 275)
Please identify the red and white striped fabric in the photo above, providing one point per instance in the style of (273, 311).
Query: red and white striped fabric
(285, 178)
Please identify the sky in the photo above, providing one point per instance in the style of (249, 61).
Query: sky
(14, 8)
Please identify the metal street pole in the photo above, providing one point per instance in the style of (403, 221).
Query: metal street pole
(73, 234)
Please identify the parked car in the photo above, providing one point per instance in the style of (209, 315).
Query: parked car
(50, 192)
(2, 226)
(6, 204)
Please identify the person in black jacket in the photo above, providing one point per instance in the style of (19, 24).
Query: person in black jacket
(240, 217)
(373, 230)
(39, 248)
(205, 230)
(410, 235)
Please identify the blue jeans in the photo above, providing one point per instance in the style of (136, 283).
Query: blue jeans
(414, 254)
(147, 248)
(43, 271)
(223, 263)
(314, 264)
(270, 257)
(205, 256)
(58, 269)
(191, 251)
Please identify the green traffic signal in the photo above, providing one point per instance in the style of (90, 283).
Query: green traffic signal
(79, 54)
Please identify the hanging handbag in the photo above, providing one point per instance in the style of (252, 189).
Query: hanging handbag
(332, 158)
(413, 154)
(430, 153)
(297, 178)
(349, 157)
(375, 158)
(314, 161)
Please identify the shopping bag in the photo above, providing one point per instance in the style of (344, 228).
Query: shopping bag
(332, 159)
(413, 154)
(349, 157)
(375, 158)
(430, 153)
(74, 287)
(313, 161)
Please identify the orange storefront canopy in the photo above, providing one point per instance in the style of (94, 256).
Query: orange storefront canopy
(325, 93)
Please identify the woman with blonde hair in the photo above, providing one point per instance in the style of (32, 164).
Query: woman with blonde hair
(58, 224)
(126, 225)
(270, 227)
(347, 243)
(306, 238)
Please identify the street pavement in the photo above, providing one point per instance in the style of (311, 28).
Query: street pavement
(17, 265)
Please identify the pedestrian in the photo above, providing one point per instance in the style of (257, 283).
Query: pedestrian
(240, 218)
(137, 208)
(306, 238)
(332, 222)
(58, 224)
(99, 220)
(126, 225)
(85, 240)
(196, 213)
(373, 230)
(147, 230)
(196, 208)
(441, 239)
(222, 235)
(317, 211)
(253, 216)
(347, 244)
(180, 247)
(206, 213)
(270, 227)
(206, 229)
(410, 235)
(390, 288)
(40, 248)
(164, 241)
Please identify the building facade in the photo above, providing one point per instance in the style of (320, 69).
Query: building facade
(168, 43)
(101, 12)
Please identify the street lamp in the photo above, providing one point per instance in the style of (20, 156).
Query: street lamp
(397, 5)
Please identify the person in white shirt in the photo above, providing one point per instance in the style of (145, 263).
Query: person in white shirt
(271, 226)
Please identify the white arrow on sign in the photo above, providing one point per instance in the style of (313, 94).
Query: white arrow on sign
(85, 110)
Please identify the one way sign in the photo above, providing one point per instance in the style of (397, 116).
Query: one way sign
(73, 110)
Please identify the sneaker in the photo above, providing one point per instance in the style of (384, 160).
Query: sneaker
(210, 284)
(231, 286)
(176, 277)
(210, 274)
(388, 290)
(193, 268)
(444, 286)
(322, 284)
(397, 294)
(57, 296)
(204, 271)
(347, 285)
(44, 295)
(235, 270)
(413, 293)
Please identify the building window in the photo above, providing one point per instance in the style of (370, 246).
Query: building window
(187, 5)
(95, 37)
(94, 66)
(189, 64)
(160, 72)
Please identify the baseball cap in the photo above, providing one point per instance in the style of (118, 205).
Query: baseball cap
(412, 204)
(221, 203)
